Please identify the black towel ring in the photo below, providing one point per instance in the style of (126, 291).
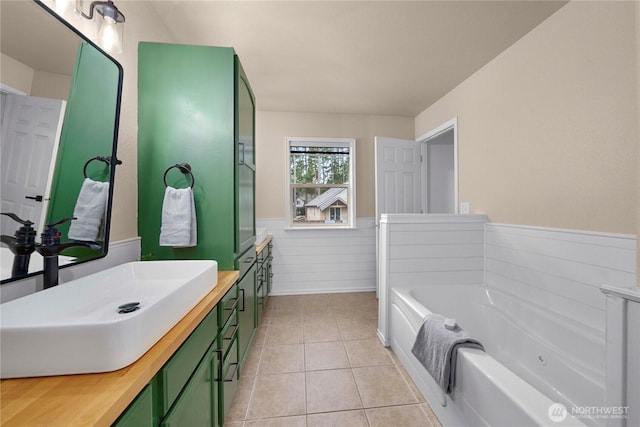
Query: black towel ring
(185, 168)
(106, 160)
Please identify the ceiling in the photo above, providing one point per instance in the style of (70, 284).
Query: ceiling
(358, 57)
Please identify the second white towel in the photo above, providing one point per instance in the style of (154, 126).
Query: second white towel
(89, 211)
(179, 225)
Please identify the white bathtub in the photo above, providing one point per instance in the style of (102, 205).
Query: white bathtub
(531, 361)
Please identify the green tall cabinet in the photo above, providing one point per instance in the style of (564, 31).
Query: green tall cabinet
(196, 106)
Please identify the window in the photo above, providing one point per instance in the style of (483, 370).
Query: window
(321, 182)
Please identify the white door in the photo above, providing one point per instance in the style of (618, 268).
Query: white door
(398, 183)
(31, 129)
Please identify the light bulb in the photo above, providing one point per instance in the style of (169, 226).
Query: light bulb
(109, 37)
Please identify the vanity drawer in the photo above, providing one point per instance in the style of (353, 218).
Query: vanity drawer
(228, 334)
(228, 307)
(229, 381)
(175, 373)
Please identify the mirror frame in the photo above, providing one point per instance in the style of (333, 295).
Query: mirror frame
(114, 148)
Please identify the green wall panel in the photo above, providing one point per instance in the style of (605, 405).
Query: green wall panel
(186, 115)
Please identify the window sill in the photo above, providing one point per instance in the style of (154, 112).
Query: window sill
(327, 227)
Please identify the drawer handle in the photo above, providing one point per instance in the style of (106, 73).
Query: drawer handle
(233, 334)
(243, 301)
(220, 364)
(233, 374)
(249, 260)
(233, 307)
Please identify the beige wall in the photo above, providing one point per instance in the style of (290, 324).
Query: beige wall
(548, 130)
(15, 74)
(51, 85)
(272, 129)
(33, 82)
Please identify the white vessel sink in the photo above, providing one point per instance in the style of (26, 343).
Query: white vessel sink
(76, 327)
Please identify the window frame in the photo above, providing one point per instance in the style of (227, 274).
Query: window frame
(351, 186)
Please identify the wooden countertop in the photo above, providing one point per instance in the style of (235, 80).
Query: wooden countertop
(264, 243)
(98, 399)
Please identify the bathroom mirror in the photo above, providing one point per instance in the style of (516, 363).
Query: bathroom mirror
(60, 108)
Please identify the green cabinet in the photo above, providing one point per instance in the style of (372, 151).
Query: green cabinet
(196, 406)
(263, 281)
(228, 347)
(195, 105)
(140, 412)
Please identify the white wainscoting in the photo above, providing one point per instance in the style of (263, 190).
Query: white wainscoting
(322, 261)
(119, 252)
(559, 271)
(421, 250)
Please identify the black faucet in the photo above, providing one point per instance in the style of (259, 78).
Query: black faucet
(50, 247)
(22, 245)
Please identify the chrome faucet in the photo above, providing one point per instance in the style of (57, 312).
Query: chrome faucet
(50, 247)
(21, 244)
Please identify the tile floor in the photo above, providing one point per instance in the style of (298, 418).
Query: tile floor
(316, 361)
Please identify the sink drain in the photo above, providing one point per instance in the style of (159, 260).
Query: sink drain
(128, 307)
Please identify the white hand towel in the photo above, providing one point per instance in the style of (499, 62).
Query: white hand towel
(89, 210)
(179, 226)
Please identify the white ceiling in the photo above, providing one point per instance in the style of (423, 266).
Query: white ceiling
(361, 57)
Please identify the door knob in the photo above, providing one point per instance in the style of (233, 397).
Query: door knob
(37, 198)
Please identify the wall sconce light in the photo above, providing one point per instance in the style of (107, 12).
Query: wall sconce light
(109, 33)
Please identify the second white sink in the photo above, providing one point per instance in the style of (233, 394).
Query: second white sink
(78, 327)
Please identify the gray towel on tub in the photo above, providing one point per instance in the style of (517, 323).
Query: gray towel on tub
(437, 349)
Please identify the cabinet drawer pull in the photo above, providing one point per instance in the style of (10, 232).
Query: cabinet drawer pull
(233, 334)
(243, 302)
(233, 306)
(220, 365)
(230, 380)
(249, 260)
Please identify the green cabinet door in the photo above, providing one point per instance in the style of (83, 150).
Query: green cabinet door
(139, 413)
(196, 406)
(247, 313)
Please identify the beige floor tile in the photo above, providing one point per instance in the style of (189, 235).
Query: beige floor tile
(321, 331)
(315, 314)
(382, 386)
(286, 304)
(316, 300)
(411, 384)
(358, 329)
(278, 318)
(367, 353)
(234, 424)
(240, 404)
(405, 416)
(299, 421)
(325, 355)
(260, 336)
(286, 333)
(278, 359)
(357, 312)
(338, 419)
(329, 391)
(277, 396)
(394, 357)
(252, 362)
(435, 422)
